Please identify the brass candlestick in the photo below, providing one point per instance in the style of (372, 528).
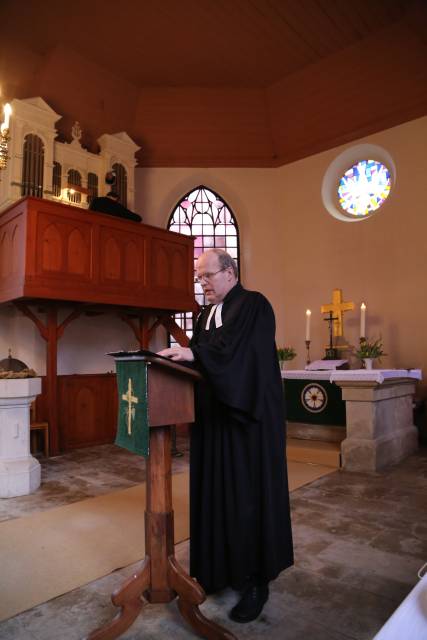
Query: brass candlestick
(362, 339)
(307, 346)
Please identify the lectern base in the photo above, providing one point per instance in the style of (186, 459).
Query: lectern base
(161, 578)
(190, 595)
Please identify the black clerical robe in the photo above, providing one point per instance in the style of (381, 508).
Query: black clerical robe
(113, 208)
(240, 521)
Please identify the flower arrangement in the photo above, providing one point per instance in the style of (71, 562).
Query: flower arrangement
(286, 353)
(370, 349)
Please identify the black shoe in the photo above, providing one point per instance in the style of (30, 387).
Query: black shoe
(251, 603)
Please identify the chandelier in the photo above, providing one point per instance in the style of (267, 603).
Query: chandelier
(4, 136)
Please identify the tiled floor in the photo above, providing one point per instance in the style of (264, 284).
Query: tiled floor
(359, 542)
(84, 473)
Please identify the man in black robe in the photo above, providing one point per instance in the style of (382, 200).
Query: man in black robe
(110, 204)
(240, 530)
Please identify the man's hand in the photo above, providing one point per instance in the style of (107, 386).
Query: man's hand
(178, 354)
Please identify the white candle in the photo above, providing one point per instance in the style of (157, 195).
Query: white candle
(307, 324)
(7, 109)
(362, 320)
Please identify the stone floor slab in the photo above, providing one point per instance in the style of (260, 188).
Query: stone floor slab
(359, 541)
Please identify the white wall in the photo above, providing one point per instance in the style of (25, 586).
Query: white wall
(381, 261)
(293, 251)
(82, 348)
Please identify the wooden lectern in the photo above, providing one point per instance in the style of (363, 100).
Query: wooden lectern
(170, 400)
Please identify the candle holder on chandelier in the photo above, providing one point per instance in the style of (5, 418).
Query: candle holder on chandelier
(4, 136)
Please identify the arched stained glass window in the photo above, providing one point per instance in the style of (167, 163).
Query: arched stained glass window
(32, 166)
(204, 214)
(364, 187)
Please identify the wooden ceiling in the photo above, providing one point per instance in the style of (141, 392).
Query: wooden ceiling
(239, 43)
(167, 70)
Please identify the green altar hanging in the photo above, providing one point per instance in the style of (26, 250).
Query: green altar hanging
(310, 398)
(132, 386)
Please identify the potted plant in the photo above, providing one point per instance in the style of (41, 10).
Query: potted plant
(369, 351)
(284, 354)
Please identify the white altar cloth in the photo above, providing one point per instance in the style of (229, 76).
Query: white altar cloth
(374, 375)
(302, 374)
(352, 375)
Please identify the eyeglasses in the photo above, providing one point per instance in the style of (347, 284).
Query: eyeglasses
(209, 275)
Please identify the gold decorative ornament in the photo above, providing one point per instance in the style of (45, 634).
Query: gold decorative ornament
(4, 136)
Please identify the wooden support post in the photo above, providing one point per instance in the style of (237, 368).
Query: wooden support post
(51, 333)
(140, 328)
(159, 531)
(51, 378)
(143, 331)
(168, 322)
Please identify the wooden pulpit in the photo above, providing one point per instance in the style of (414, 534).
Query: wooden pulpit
(164, 396)
(65, 262)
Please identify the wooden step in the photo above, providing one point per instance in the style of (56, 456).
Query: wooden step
(306, 431)
(314, 451)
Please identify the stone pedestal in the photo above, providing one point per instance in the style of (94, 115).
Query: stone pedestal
(19, 471)
(380, 429)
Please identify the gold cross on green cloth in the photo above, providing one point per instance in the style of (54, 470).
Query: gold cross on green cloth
(130, 399)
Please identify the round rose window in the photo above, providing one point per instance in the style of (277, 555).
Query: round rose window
(364, 187)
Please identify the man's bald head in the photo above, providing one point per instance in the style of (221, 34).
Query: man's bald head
(217, 273)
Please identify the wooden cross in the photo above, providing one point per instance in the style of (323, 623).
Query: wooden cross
(130, 399)
(337, 307)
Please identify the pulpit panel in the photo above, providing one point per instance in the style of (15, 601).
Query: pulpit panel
(89, 409)
(52, 254)
(78, 253)
(169, 265)
(179, 407)
(18, 239)
(122, 258)
(161, 267)
(12, 252)
(178, 269)
(5, 254)
(133, 264)
(84, 412)
(63, 247)
(111, 261)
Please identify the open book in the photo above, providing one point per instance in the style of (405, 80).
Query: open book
(326, 365)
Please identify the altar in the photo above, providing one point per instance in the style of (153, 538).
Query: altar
(377, 422)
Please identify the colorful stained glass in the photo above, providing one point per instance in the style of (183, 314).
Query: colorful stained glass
(204, 214)
(364, 187)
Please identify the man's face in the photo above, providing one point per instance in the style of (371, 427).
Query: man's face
(217, 283)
